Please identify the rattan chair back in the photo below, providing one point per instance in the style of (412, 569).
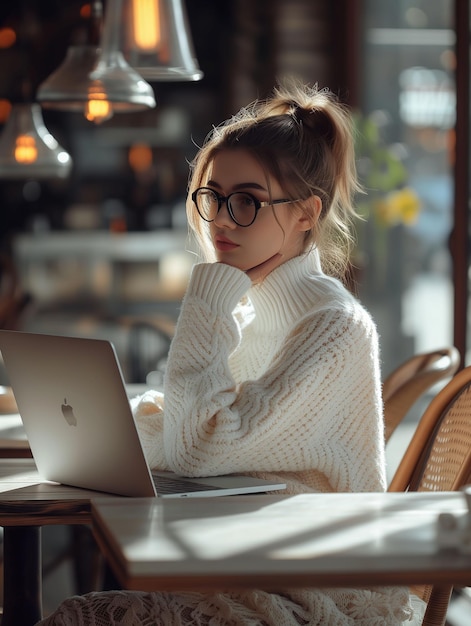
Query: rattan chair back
(408, 382)
(438, 458)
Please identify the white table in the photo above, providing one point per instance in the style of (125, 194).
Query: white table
(273, 542)
(26, 504)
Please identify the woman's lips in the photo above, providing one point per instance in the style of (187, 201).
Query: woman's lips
(223, 244)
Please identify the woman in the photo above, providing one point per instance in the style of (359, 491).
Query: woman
(274, 367)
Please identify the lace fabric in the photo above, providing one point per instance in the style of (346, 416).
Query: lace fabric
(254, 608)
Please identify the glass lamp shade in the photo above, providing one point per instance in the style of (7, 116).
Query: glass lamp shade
(116, 81)
(27, 148)
(67, 87)
(155, 40)
(89, 75)
(113, 79)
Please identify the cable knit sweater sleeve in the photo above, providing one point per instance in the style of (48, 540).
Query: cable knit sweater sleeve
(310, 410)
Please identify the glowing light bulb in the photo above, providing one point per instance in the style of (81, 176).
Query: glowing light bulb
(140, 157)
(26, 150)
(98, 111)
(7, 37)
(146, 24)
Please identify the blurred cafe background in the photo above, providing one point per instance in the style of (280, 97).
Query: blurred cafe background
(102, 106)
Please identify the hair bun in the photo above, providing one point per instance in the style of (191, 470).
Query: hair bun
(316, 119)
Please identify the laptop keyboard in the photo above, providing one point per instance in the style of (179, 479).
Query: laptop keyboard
(170, 484)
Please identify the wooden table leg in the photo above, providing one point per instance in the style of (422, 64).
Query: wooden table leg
(22, 588)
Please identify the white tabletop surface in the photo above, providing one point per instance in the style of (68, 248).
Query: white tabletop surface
(303, 539)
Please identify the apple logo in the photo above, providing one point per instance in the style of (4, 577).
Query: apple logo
(68, 413)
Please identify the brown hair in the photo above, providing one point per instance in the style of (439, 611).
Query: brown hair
(303, 137)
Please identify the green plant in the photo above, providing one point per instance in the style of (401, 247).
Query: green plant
(383, 175)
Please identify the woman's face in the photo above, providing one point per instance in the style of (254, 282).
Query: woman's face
(275, 236)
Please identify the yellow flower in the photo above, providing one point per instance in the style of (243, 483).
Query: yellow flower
(397, 207)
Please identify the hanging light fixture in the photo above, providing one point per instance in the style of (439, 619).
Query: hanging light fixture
(97, 80)
(156, 40)
(113, 79)
(27, 148)
(69, 88)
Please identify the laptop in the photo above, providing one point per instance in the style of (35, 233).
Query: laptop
(72, 399)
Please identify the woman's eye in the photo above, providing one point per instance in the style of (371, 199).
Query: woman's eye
(248, 201)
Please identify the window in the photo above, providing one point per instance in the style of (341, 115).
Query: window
(408, 93)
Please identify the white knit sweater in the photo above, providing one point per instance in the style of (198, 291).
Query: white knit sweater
(277, 380)
(286, 383)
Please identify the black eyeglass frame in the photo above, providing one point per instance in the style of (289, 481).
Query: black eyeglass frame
(259, 204)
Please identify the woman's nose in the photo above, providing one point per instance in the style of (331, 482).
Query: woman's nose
(223, 217)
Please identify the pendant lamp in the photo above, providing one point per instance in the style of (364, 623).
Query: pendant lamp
(27, 148)
(97, 80)
(69, 88)
(156, 40)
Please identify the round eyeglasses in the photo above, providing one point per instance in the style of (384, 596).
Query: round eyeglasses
(242, 206)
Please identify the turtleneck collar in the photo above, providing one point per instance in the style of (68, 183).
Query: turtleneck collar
(288, 292)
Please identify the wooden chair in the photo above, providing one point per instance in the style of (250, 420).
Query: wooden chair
(438, 458)
(407, 383)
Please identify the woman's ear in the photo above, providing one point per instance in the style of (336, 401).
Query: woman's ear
(312, 208)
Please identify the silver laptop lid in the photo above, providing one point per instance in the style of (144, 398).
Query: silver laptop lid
(77, 417)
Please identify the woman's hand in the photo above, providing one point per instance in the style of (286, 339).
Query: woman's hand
(148, 403)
